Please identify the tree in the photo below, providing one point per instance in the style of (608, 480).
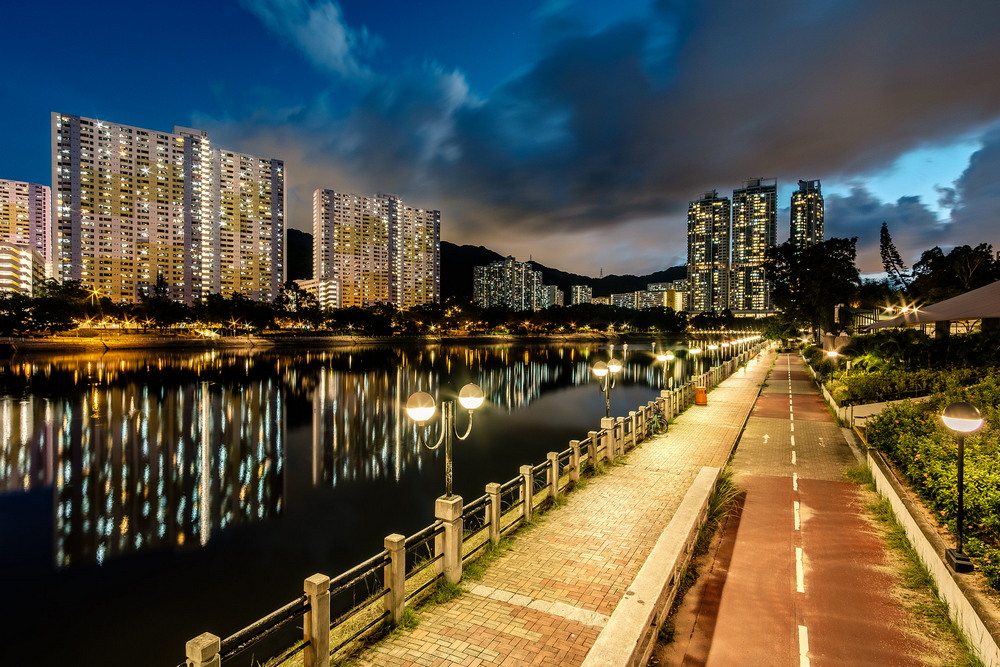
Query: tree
(891, 261)
(293, 302)
(939, 276)
(56, 306)
(808, 283)
(14, 313)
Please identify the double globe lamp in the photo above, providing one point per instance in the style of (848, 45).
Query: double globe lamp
(420, 408)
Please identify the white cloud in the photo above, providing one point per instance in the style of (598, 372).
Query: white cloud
(318, 29)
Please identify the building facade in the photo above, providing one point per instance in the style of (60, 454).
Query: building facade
(807, 214)
(370, 250)
(25, 230)
(137, 207)
(507, 284)
(550, 295)
(580, 294)
(709, 253)
(754, 230)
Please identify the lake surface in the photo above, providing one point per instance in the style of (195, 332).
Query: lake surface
(147, 497)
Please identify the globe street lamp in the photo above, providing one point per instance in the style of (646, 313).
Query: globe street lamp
(420, 408)
(961, 417)
(696, 365)
(606, 373)
(665, 358)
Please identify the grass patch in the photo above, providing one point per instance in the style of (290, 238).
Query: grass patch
(444, 592)
(477, 568)
(860, 475)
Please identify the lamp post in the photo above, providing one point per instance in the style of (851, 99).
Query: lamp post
(961, 417)
(665, 358)
(606, 373)
(420, 408)
(696, 364)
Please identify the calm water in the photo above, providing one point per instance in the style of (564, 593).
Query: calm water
(147, 497)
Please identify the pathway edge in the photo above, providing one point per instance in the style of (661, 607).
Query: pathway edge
(627, 639)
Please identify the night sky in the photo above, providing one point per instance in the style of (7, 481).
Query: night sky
(574, 132)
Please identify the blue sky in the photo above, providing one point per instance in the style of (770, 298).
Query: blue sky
(571, 131)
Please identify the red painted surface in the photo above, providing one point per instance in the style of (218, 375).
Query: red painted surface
(749, 610)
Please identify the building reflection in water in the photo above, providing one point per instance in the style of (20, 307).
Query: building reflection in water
(144, 451)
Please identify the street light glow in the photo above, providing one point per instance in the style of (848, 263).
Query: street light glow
(614, 366)
(471, 396)
(962, 417)
(420, 407)
(600, 369)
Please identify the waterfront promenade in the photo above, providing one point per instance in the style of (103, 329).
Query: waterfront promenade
(546, 600)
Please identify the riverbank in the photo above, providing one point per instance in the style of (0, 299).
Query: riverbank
(132, 341)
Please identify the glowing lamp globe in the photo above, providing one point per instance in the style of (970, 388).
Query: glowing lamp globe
(420, 407)
(600, 369)
(962, 417)
(471, 396)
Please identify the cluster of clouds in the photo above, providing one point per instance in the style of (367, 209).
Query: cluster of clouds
(587, 156)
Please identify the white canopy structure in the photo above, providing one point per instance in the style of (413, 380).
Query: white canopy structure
(979, 304)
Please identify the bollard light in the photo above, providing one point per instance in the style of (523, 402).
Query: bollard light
(961, 417)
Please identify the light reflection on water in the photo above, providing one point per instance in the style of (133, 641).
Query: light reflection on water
(145, 450)
(270, 465)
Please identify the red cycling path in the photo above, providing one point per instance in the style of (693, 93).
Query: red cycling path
(800, 577)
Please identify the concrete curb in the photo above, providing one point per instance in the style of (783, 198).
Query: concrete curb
(629, 636)
(960, 608)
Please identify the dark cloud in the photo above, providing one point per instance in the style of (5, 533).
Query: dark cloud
(631, 122)
(913, 226)
(975, 205)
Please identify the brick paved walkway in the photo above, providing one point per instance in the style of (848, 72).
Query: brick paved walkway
(545, 601)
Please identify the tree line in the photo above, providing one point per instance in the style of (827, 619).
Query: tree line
(62, 306)
(809, 283)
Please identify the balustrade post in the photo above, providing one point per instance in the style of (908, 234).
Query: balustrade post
(574, 461)
(493, 491)
(634, 426)
(594, 442)
(203, 651)
(448, 510)
(619, 436)
(608, 427)
(394, 577)
(527, 492)
(553, 459)
(316, 622)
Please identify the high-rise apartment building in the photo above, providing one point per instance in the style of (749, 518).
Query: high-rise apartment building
(550, 295)
(580, 294)
(25, 215)
(375, 250)
(807, 214)
(708, 253)
(25, 228)
(507, 284)
(137, 207)
(754, 229)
